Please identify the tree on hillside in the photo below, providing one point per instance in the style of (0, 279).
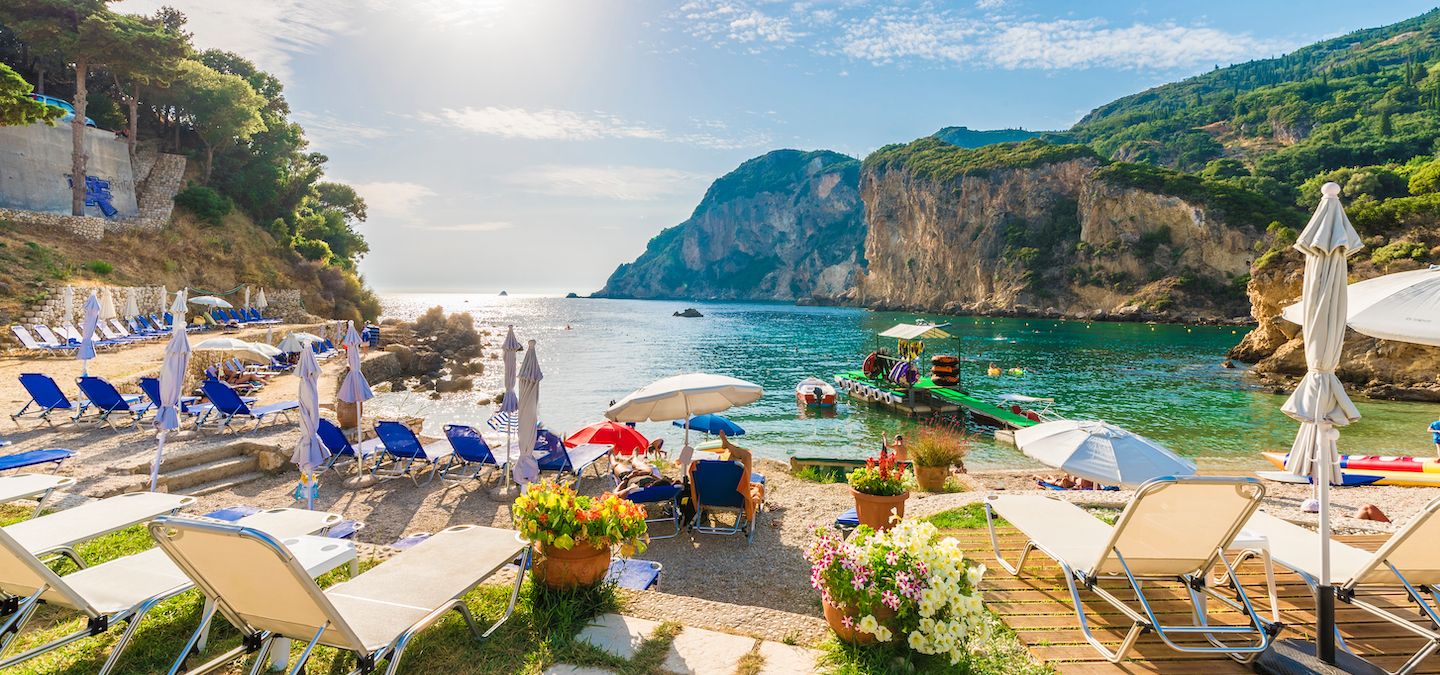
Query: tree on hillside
(16, 106)
(223, 108)
(149, 62)
(342, 197)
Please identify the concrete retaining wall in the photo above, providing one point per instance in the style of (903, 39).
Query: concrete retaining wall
(35, 164)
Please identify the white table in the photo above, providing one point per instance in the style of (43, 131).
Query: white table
(1255, 544)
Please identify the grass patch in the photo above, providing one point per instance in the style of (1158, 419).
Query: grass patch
(99, 267)
(967, 517)
(821, 474)
(1002, 654)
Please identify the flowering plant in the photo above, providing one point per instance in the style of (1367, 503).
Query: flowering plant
(880, 476)
(908, 572)
(555, 515)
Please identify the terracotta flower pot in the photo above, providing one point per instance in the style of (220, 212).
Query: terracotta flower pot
(579, 565)
(834, 616)
(874, 510)
(931, 478)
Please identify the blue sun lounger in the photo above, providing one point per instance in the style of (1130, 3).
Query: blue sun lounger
(21, 460)
(563, 459)
(107, 401)
(230, 407)
(469, 450)
(404, 449)
(715, 484)
(46, 398)
(334, 440)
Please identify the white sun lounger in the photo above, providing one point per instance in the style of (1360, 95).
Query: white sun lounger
(60, 532)
(28, 485)
(1174, 529)
(1409, 560)
(261, 588)
(119, 590)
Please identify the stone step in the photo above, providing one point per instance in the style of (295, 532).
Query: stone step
(183, 479)
(175, 461)
(221, 485)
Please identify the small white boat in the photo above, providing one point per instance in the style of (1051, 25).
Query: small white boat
(1034, 407)
(815, 392)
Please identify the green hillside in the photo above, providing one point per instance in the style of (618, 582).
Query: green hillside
(966, 137)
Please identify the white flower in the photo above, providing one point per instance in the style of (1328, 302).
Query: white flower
(868, 624)
(883, 634)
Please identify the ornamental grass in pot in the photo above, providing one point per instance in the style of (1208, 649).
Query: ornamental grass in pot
(906, 587)
(880, 489)
(934, 451)
(575, 534)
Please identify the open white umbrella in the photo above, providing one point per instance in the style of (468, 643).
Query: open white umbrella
(132, 308)
(309, 453)
(354, 388)
(247, 297)
(88, 321)
(1404, 306)
(260, 302)
(509, 404)
(246, 351)
(681, 397)
(172, 387)
(67, 309)
(526, 468)
(297, 341)
(107, 304)
(1101, 452)
(210, 301)
(1319, 403)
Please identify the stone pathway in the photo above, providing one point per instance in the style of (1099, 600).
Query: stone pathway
(692, 650)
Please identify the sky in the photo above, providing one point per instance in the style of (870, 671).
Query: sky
(533, 145)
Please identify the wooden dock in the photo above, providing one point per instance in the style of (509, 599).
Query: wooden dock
(1037, 605)
(927, 398)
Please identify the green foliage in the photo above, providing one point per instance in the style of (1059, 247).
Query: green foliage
(776, 170)
(1400, 250)
(937, 160)
(225, 107)
(819, 474)
(1230, 197)
(312, 249)
(45, 262)
(1425, 179)
(99, 267)
(967, 517)
(1357, 185)
(1224, 168)
(16, 107)
(975, 138)
(207, 204)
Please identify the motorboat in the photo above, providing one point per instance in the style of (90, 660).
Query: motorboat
(815, 392)
(1036, 408)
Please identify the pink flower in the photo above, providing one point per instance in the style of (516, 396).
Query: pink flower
(890, 599)
(892, 557)
(848, 622)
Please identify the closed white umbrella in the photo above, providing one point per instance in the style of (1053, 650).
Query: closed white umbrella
(270, 335)
(309, 453)
(509, 404)
(210, 301)
(164, 298)
(526, 468)
(681, 397)
(1101, 452)
(340, 328)
(88, 321)
(247, 297)
(172, 386)
(260, 302)
(354, 389)
(67, 310)
(1319, 403)
(107, 304)
(132, 308)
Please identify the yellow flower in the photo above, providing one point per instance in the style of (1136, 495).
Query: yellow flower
(919, 643)
(883, 634)
(868, 624)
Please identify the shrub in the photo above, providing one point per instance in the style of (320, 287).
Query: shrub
(207, 204)
(99, 267)
(936, 447)
(1399, 250)
(312, 249)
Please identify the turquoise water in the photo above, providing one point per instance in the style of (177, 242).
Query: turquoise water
(1162, 381)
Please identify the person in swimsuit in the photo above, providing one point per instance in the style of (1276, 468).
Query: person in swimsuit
(897, 446)
(1435, 436)
(754, 492)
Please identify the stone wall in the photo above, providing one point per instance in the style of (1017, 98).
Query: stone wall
(35, 166)
(286, 303)
(281, 302)
(87, 227)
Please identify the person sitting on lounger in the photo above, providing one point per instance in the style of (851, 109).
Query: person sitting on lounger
(633, 474)
(1065, 481)
(755, 495)
(237, 379)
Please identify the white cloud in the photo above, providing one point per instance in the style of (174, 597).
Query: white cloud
(486, 226)
(448, 13)
(544, 124)
(325, 130)
(392, 199)
(268, 32)
(551, 124)
(630, 183)
(989, 35)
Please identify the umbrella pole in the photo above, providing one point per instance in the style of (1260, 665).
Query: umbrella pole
(1324, 593)
(159, 452)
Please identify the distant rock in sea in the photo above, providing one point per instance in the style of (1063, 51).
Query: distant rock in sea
(503, 294)
(571, 295)
(689, 313)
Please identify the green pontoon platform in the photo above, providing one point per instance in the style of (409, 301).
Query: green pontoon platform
(983, 410)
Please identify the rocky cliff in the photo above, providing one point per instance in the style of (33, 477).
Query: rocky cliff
(1033, 228)
(784, 226)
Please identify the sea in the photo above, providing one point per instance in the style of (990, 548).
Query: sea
(1165, 382)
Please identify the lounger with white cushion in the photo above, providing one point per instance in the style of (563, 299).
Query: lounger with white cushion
(261, 588)
(1174, 529)
(1409, 560)
(60, 532)
(32, 486)
(116, 591)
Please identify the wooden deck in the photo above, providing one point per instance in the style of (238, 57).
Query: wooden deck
(1037, 605)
